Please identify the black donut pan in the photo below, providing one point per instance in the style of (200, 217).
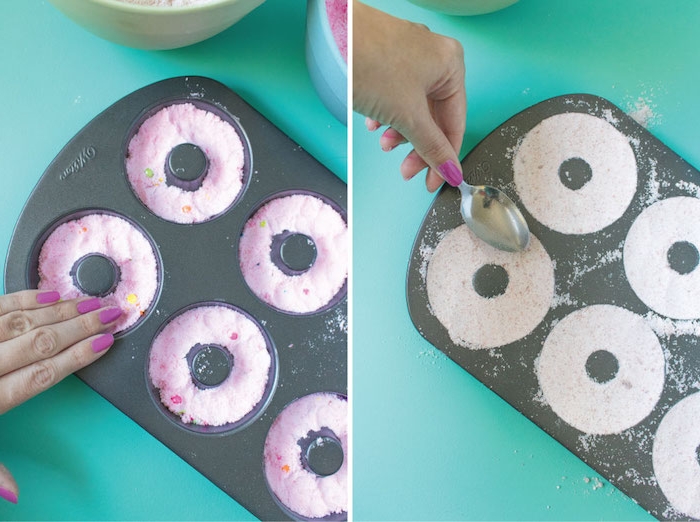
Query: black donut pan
(624, 459)
(199, 264)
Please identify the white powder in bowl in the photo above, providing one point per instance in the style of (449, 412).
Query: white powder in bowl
(169, 3)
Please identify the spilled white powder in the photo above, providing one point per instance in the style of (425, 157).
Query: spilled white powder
(642, 110)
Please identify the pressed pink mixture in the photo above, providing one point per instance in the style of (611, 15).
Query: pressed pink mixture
(158, 135)
(302, 491)
(114, 238)
(338, 18)
(306, 215)
(243, 388)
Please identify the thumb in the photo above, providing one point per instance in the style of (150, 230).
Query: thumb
(433, 146)
(8, 487)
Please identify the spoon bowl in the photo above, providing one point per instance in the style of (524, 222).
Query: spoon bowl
(493, 217)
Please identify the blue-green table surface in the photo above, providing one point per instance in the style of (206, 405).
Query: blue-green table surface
(74, 455)
(431, 442)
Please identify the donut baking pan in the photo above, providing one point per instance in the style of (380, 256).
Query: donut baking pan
(196, 264)
(594, 332)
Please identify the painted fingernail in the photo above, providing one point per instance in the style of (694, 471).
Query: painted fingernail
(101, 343)
(450, 173)
(47, 297)
(110, 314)
(8, 495)
(89, 305)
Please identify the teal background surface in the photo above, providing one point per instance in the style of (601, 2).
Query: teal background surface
(74, 455)
(430, 441)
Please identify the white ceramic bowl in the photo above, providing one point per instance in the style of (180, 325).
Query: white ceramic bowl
(327, 68)
(464, 7)
(150, 27)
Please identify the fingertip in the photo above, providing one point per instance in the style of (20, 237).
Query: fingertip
(9, 495)
(48, 297)
(8, 487)
(433, 181)
(102, 342)
(372, 125)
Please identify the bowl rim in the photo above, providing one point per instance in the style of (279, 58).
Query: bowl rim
(127, 6)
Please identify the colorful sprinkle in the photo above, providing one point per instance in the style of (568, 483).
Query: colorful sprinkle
(285, 468)
(187, 209)
(132, 299)
(149, 172)
(233, 336)
(176, 399)
(306, 291)
(263, 223)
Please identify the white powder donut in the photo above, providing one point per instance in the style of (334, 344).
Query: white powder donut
(312, 289)
(601, 408)
(675, 456)
(238, 394)
(653, 233)
(476, 321)
(600, 201)
(117, 240)
(158, 135)
(302, 491)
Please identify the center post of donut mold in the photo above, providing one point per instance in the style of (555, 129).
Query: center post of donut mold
(321, 452)
(95, 274)
(186, 166)
(683, 257)
(292, 252)
(210, 365)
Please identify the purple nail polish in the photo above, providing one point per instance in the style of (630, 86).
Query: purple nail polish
(89, 305)
(451, 173)
(47, 297)
(102, 342)
(8, 495)
(109, 315)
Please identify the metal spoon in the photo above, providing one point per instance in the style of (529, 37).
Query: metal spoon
(493, 217)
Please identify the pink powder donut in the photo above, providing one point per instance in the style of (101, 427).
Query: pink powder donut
(148, 152)
(300, 214)
(457, 304)
(645, 254)
(238, 394)
(114, 238)
(675, 457)
(547, 148)
(601, 408)
(300, 490)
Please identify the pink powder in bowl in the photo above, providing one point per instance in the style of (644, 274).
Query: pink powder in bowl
(300, 490)
(302, 214)
(114, 238)
(238, 394)
(158, 135)
(338, 19)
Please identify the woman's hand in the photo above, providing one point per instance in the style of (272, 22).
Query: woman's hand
(411, 79)
(43, 340)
